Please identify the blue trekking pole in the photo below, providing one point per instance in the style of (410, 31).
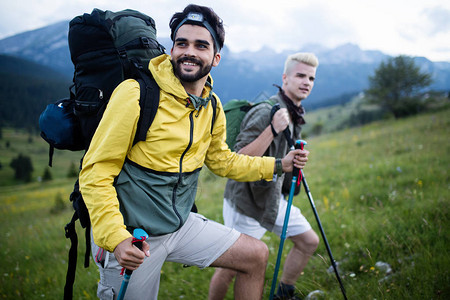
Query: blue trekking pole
(139, 235)
(296, 173)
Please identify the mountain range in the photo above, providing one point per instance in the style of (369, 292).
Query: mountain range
(343, 70)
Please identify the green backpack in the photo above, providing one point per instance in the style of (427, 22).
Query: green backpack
(235, 111)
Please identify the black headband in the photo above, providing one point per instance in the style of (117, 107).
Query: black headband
(195, 17)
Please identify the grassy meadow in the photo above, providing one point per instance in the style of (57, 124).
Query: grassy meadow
(382, 192)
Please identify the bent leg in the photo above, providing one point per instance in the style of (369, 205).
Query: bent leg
(248, 257)
(220, 283)
(305, 245)
(144, 282)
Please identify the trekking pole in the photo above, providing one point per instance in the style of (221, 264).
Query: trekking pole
(139, 235)
(333, 262)
(298, 145)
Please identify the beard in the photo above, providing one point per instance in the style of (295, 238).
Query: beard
(190, 77)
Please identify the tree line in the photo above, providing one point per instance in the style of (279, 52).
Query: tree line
(23, 168)
(23, 98)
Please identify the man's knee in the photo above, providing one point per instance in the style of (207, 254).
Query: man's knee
(306, 242)
(246, 254)
(263, 252)
(313, 241)
(258, 252)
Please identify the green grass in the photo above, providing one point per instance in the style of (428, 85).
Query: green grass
(381, 191)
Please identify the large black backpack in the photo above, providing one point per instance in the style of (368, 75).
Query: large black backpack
(106, 48)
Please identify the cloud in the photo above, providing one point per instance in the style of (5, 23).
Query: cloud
(438, 19)
(285, 26)
(413, 27)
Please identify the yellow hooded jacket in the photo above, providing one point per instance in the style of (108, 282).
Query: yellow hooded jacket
(179, 142)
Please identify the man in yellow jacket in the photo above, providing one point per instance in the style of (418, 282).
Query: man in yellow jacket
(152, 185)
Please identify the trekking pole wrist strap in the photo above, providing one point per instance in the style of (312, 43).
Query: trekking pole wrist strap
(275, 134)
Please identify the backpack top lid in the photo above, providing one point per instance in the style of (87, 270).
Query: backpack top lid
(108, 30)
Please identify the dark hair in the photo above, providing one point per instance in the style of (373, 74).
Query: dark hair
(211, 17)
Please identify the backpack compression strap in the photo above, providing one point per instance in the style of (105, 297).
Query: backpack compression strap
(70, 276)
(81, 213)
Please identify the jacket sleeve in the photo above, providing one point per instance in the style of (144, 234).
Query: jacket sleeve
(103, 161)
(223, 162)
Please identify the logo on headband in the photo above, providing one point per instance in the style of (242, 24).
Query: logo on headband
(198, 17)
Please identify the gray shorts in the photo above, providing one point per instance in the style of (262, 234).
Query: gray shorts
(198, 243)
(297, 223)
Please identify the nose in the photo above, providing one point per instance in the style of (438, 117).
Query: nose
(189, 51)
(308, 82)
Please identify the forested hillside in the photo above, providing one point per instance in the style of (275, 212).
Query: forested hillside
(25, 89)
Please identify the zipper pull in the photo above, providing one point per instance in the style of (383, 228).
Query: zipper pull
(198, 111)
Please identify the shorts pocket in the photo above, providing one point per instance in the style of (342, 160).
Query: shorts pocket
(105, 292)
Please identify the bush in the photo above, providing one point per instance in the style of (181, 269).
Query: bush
(59, 205)
(23, 167)
(73, 171)
(47, 175)
(362, 117)
(317, 129)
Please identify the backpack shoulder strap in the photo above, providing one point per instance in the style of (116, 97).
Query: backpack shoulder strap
(149, 102)
(287, 131)
(214, 106)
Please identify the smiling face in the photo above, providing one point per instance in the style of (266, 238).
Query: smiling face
(299, 81)
(193, 53)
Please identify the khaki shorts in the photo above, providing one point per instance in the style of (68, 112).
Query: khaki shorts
(198, 243)
(297, 222)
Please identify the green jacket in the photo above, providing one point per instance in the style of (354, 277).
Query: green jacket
(259, 199)
(157, 184)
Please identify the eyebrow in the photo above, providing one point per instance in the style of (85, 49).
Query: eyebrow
(205, 42)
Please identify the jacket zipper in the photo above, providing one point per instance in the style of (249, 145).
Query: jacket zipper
(174, 191)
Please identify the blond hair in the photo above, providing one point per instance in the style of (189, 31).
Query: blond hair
(301, 57)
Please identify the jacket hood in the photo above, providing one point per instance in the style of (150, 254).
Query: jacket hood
(162, 70)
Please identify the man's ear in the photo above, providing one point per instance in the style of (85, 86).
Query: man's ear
(283, 78)
(216, 59)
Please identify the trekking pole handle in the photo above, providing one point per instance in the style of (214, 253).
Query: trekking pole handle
(299, 144)
(139, 236)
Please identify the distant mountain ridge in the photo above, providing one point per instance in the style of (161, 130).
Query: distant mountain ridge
(47, 46)
(342, 70)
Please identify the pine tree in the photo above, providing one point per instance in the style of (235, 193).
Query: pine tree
(47, 175)
(23, 167)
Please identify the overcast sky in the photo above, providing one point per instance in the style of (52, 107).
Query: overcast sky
(410, 27)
